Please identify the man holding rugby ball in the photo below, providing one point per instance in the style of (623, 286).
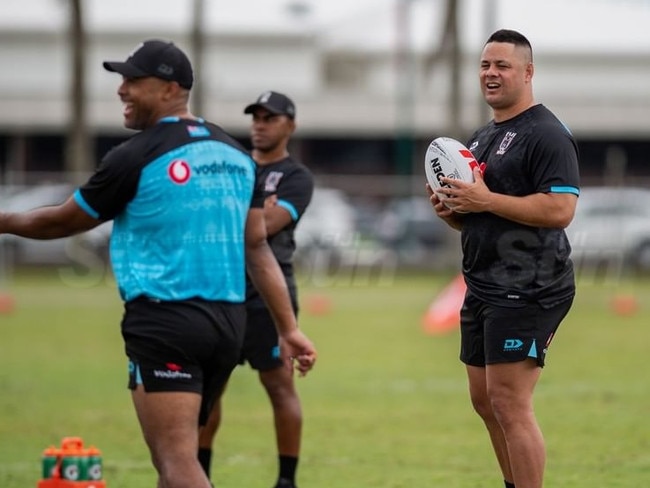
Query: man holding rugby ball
(516, 261)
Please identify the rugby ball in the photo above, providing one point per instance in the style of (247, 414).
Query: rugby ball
(448, 157)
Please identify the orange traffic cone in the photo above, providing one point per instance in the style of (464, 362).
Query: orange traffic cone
(443, 315)
(7, 303)
(317, 304)
(624, 305)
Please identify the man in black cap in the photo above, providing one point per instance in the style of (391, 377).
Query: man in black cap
(289, 186)
(188, 221)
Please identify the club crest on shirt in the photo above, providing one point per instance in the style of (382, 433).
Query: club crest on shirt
(272, 181)
(179, 171)
(505, 142)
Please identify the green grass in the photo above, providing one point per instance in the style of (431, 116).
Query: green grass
(386, 406)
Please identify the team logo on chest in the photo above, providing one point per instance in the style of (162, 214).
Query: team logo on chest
(505, 142)
(272, 181)
(179, 171)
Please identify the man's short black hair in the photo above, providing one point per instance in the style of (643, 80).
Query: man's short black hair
(511, 37)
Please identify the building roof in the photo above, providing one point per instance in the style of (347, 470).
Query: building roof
(551, 25)
(337, 59)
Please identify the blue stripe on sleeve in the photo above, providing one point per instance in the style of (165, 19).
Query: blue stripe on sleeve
(82, 203)
(289, 208)
(565, 189)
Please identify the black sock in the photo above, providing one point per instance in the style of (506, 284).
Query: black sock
(509, 485)
(205, 458)
(288, 465)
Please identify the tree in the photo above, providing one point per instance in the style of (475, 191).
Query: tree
(197, 37)
(448, 51)
(78, 154)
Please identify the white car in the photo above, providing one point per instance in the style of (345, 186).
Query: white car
(611, 228)
(326, 229)
(328, 222)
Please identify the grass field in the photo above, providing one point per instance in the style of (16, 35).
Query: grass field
(386, 406)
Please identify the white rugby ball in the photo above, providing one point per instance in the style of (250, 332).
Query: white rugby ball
(448, 157)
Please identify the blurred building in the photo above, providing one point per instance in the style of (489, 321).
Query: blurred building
(370, 90)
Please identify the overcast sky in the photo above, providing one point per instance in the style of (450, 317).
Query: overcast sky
(611, 25)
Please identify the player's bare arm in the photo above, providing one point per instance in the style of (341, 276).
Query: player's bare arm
(268, 279)
(276, 217)
(552, 210)
(265, 272)
(51, 222)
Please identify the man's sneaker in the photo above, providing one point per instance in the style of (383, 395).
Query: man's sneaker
(285, 483)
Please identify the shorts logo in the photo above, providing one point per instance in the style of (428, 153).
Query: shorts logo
(173, 367)
(179, 171)
(173, 372)
(512, 345)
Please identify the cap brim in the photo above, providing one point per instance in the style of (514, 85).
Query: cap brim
(125, 69)
(254, 106)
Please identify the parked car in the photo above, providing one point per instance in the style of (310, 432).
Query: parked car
(411, 222)
(612, 227)
(410, 229)
(327, 226)
(87, 249)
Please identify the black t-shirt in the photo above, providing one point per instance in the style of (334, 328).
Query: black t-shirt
(504, 262)
(293, 184)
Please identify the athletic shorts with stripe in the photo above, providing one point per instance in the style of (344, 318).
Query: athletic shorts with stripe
(261, 344)
(492, 334)
(187, 346)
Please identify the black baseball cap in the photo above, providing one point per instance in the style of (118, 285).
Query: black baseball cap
(154, 57)
(274, 102)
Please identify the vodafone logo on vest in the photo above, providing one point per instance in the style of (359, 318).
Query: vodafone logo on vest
(179, 171)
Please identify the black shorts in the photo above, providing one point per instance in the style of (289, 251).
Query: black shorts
(491, 334)
(189, 345)
(261, 344)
